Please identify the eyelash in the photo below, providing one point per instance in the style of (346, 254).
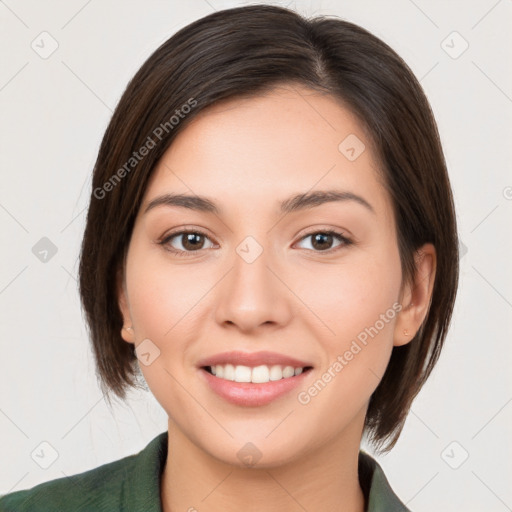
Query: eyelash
(343, 238)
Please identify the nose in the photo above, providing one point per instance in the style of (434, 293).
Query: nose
(253, 293)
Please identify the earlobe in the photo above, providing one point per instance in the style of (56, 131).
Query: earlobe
(416, 296)
(127, 332)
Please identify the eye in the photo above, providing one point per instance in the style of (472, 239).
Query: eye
(186, 242)
(182, 243)
(322, 240)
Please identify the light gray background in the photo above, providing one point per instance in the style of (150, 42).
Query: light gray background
(54, 113)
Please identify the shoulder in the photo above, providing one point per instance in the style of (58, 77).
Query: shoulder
(105, 488)
(96, 489)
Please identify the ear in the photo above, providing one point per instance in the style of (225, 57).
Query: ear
(415, 296)
(127, 332)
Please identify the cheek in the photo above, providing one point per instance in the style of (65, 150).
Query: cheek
(357, 302)
(162, 296)
(353, 295)
(357, 305)
(158, 300)
(162, 305)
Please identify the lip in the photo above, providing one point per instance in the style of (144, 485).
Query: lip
(249, 394)
(253, 359)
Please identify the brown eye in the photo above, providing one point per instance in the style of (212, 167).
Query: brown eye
(192, 241)
(185, 242)
(322, 241)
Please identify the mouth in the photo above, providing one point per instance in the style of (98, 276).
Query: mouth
(257, 375)
(253, 379)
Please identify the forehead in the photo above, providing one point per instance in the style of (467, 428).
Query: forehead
(287, 140)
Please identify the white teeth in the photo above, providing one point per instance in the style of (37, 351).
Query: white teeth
(229, 372)
(259, 374)
(276, 373)
(288, 372)
(242, 374)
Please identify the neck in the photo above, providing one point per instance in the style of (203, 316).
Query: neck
(325, 479)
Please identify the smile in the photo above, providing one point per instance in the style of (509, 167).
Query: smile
(257, 375)
(252, 379)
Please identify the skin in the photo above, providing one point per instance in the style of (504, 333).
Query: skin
(295, 299)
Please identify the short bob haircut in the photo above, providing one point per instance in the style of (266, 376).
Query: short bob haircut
(241, 53)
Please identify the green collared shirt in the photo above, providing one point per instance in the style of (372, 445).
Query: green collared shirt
(132, 484)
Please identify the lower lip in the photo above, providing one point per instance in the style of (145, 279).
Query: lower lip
(249, 394)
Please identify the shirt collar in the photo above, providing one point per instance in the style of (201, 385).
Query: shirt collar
(142, 490)
(379, 495)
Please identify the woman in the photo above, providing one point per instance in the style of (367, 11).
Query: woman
(271, 240)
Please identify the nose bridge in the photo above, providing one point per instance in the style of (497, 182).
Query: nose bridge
(251, 295)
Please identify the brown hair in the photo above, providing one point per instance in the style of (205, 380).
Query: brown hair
(243, 52)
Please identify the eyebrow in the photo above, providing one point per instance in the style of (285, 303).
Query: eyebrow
(292, 204)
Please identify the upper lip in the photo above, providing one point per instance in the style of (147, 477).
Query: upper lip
(253, 359)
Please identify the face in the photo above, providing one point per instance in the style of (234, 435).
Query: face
(254, 279)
